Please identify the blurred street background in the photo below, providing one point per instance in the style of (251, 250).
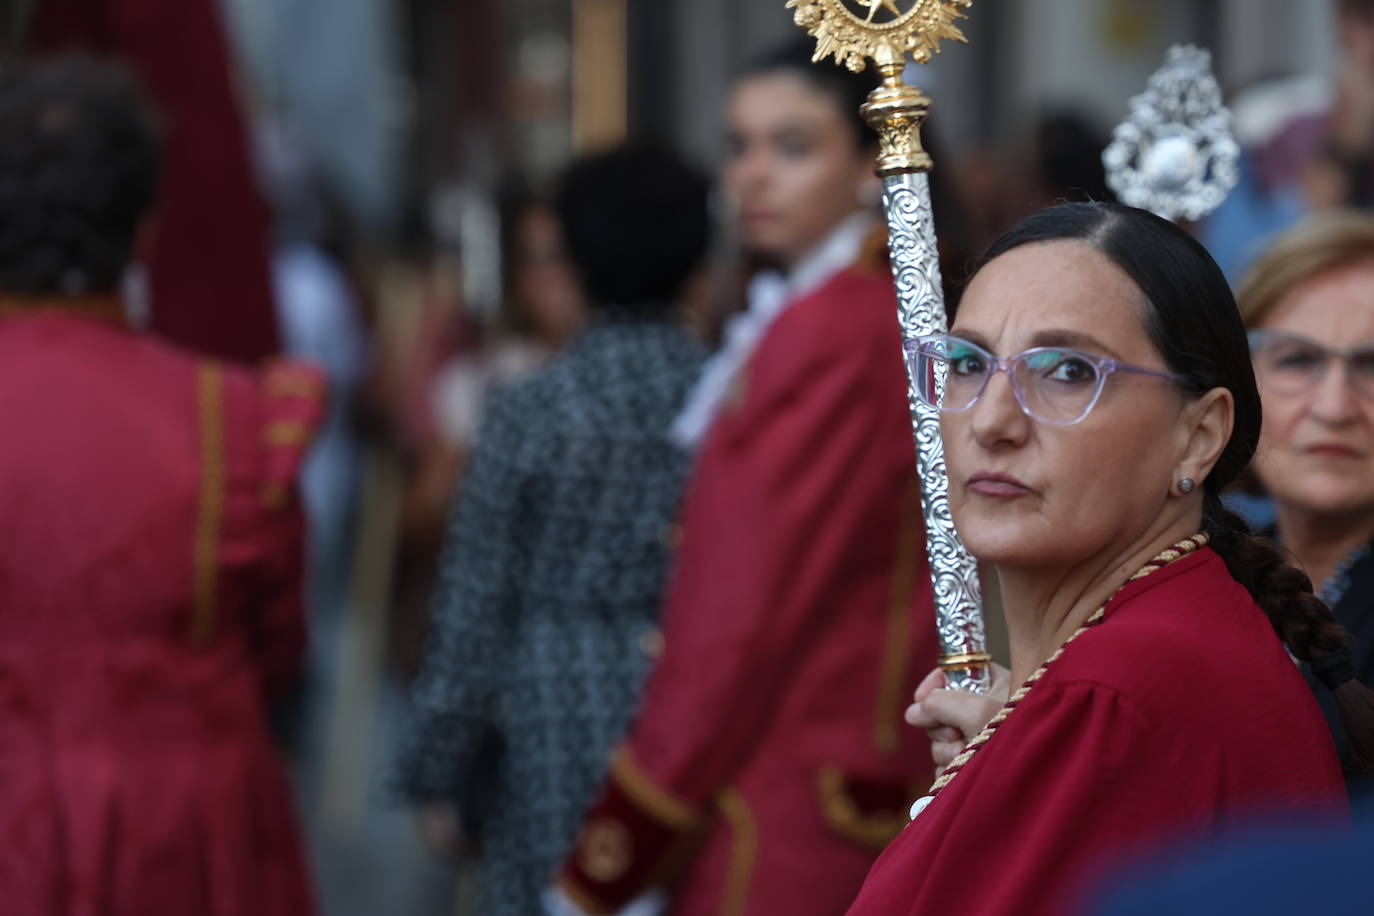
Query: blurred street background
(399, 143)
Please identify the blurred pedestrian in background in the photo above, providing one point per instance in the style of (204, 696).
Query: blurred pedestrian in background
(543, 309)
(208, 282)
(460, 360)
(152, 558)
(1068, 159)
(1308, 145)
(1309, 304)
(769, 756)
(321, 323)
(545, 617)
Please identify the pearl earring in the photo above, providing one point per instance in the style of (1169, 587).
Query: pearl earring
(1186, 485)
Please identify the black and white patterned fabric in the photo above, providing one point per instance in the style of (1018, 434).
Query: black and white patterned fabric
(549, 591)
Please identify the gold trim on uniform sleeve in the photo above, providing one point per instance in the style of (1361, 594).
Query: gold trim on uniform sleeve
(840, 811)
(210, 510)
(744, 850)
(287, 433)
(663, 805)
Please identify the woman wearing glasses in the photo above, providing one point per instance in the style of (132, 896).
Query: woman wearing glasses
(1309, 302)
(1098, 397)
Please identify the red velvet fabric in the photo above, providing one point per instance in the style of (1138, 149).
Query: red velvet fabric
(780, 616)
(136, 772)
(1179, 715)
(208, 252)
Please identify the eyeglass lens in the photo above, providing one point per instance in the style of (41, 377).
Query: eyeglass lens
(1053, 385)
(1293, 364)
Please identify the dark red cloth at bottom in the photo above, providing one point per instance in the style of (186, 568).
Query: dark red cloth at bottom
(1178, 716)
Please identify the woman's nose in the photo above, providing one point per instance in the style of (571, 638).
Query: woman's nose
(998, 417)
(1334, 397)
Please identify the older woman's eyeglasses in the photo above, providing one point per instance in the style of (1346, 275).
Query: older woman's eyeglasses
(1055, 385)
(1293, 364)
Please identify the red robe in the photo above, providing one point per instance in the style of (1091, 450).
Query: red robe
(150, 602)
(798, 624)
(1178, 716)
(208, 258)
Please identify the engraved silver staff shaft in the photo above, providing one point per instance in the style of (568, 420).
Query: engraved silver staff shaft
(921, 311)
(887, 35)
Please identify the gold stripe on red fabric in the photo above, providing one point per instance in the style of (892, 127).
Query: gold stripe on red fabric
(644, 792)
(210, 511)
(897, 646)
(743, 850)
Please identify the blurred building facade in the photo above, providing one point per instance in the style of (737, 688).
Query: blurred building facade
(407, 101)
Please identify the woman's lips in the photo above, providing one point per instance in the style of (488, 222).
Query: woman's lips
(997, 485)
(1333, 450)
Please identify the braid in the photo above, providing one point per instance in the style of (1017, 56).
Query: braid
(1284, 593)
(1300, 618)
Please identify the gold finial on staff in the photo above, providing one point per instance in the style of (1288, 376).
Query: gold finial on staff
(895, 110)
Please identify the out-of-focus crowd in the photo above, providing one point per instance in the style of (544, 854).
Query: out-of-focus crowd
(615, 582)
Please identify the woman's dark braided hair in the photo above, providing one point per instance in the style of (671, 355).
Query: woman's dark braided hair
(1190, 315)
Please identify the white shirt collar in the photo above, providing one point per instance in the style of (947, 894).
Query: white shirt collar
(840, 249)
(770, 293)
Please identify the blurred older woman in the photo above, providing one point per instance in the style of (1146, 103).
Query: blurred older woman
(1098, 397)
(1309, 305)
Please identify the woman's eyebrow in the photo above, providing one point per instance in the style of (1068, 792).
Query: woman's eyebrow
(1062, 337)
(972, 337)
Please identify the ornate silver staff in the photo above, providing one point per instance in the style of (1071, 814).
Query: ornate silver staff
(886, 31)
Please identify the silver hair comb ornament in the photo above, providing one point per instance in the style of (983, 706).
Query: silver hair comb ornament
(1175, 154)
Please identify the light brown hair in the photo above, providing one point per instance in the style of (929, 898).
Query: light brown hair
(1324, 241)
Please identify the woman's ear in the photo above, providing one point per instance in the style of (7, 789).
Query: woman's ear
(1207, 424)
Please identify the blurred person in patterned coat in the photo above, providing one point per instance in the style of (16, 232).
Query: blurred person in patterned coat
(152, 554)
(545, 617)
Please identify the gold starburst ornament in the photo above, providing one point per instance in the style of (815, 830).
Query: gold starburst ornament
(883, 31)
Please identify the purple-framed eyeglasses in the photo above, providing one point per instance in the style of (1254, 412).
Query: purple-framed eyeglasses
(1055, 385)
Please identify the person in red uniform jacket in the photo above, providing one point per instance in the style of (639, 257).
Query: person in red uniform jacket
(1147, 626)
(151, 555)
(208, 248)
(799, 616)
